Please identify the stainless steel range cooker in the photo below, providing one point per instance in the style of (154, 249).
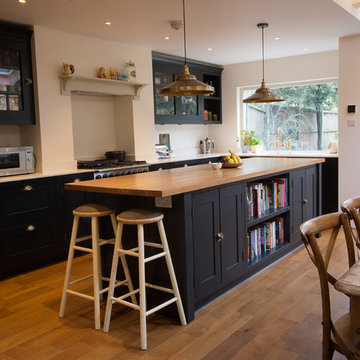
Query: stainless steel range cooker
(111, 168)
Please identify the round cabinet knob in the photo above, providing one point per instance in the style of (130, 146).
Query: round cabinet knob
(28, 188)
(28, 81)
(306, 201)
(30, 228)
(77, 180)
(220, 237)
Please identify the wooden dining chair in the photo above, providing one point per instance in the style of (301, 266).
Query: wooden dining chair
(338, 335)
(351, 208)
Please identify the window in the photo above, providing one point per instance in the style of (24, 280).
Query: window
(308, 117)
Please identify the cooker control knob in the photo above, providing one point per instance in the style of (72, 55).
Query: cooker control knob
(117, 174)
(98, 177)
(130, 172)
(105, 176)
(111, 175)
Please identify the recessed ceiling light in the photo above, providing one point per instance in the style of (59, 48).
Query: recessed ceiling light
(167, 37)
(306, 49)
(210, 49)
(107, 22)
(276, 38)
(22, 1)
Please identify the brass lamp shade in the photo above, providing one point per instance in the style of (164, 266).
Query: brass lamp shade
(263, 95)
(186, 84)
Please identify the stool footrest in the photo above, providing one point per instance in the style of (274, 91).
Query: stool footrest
(81, 248)
(156, 308)
(107, 241)
(161, 288)
(156, 245)
(156, 256)
(81, 279)
(80, 294)
(87, 237)
(128, 252)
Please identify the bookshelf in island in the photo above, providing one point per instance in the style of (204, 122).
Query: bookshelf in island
(222, 225)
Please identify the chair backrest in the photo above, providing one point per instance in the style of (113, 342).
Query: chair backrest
(351, 208)
(321, 255)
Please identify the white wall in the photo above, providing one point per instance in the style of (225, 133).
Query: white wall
(184, 139)
(55, 111)
(290, 69)
(10, 135)
(349, 77)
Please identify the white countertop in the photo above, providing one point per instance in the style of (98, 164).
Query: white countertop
(37, 175)
(283, 153)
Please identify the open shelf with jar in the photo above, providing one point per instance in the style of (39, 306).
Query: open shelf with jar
(185, 109)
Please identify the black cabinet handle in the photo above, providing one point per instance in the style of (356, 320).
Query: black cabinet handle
(30, 228)
(28, 188)
(220, 237)
(306, 201)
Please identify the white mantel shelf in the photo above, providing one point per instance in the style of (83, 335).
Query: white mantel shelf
(101, 87)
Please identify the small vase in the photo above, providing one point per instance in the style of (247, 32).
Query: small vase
(253, 148)
(244, 148)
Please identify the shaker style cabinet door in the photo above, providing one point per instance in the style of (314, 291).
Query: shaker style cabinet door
(16, 82)
(206, 226)
(304, 198)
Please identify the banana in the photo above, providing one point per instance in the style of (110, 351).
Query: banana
(236, 158)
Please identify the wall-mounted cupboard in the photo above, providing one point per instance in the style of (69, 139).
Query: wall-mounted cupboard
(16, 81)
(186, 109)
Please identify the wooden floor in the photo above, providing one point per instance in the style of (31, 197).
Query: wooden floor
(275, 315)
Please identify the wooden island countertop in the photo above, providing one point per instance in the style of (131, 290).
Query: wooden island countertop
(186, 179)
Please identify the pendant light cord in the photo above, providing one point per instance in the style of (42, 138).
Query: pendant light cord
(263, 58)
(184, 32)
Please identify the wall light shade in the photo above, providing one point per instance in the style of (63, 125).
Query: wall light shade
(186, 84)
(263, 94)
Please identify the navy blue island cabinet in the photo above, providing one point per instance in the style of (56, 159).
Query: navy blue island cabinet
(220, 230)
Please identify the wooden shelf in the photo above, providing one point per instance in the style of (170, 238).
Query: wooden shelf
(101, 87)
(266, 216)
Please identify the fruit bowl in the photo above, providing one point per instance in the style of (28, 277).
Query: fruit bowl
(231, 165)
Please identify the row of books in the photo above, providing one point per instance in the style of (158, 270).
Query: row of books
(264, 237)
(266, 196)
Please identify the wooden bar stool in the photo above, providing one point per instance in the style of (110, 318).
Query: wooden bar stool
(140, 218)
(93, 211)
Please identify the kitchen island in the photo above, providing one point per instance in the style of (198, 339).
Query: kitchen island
(214, 218)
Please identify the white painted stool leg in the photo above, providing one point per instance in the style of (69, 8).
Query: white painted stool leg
(127, 272)
(143, 340)
(171, 272)
(69, 265)
(113, 277)
(95, 247)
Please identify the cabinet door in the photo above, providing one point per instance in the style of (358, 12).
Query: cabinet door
(29, 245)
(298, 195)
(232, 227)
(206, 226)
(310, 198)
(304, 198)
(16, 88)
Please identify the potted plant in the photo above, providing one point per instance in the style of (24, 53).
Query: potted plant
(248, 139)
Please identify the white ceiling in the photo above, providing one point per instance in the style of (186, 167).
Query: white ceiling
(227, 26)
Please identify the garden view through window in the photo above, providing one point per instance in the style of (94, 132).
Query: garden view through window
(308, 117)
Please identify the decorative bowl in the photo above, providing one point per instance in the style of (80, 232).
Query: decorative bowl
(217, 165)
(231, 165)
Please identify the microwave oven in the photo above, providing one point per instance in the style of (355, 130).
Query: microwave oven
(16, 160)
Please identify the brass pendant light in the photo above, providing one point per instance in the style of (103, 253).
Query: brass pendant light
(186, 84)
(263, 94)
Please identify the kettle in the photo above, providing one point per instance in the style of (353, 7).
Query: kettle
(207, 145)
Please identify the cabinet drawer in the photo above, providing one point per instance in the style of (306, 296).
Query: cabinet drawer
(27, 201)
(30, 245)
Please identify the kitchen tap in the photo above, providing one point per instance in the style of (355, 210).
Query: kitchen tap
(282, 140)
